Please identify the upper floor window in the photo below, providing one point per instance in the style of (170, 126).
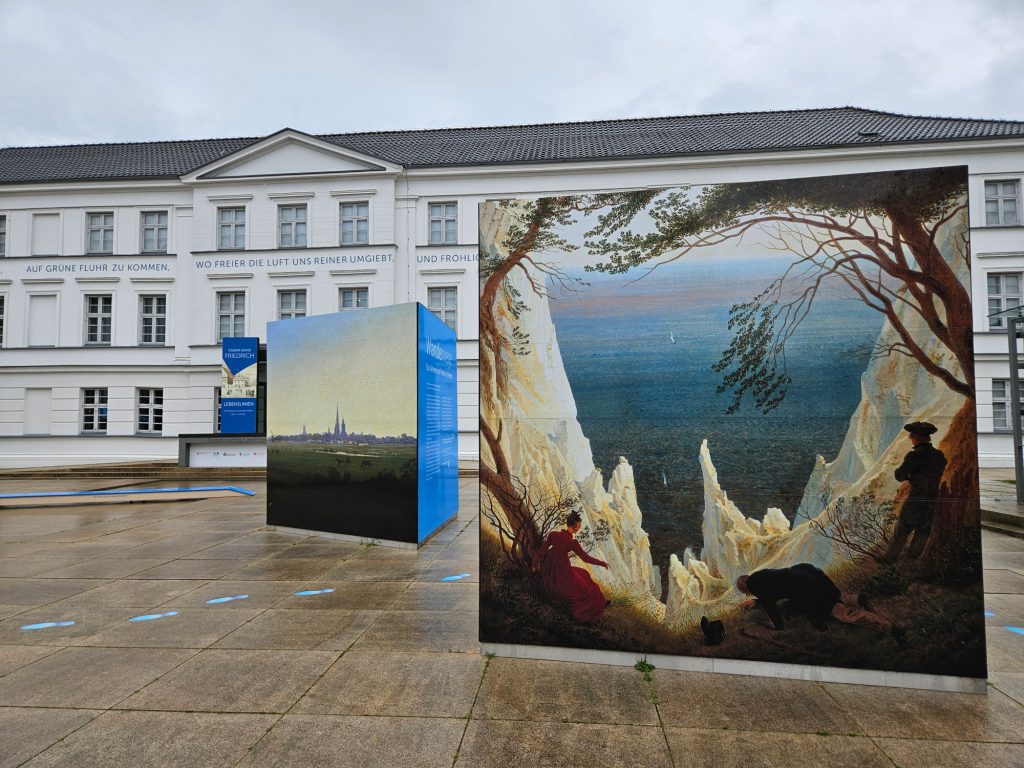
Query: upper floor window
(1002, 203)
(100, 232)
(355, 223)
(291, 304)
(99, 316)
(230, 315)
(1003, 294)
(3, 315)
(444, 219)
(3, 235)
(153, 319)
(444, 303)
(154, 231)
(291, 226)
(353, 298)
(94, 410)
(230, 229)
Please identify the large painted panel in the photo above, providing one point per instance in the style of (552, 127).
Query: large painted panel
(341, 423)
(734, 421)
(438, 427)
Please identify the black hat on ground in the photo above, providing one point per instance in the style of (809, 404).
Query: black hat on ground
(921, 428)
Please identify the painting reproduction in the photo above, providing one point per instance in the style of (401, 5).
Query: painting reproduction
(734, 421)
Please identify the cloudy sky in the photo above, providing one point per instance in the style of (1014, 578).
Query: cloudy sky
(113, 70)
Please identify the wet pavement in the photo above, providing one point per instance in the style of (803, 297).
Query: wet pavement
(386, 670)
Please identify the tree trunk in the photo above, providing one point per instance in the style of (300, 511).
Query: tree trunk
(954, 548)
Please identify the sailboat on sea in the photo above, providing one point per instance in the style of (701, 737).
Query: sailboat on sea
(664, 480)
(672, 337)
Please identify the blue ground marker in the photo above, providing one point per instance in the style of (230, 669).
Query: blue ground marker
(456, 578)
(989, 614)
(1017, 630)
(151, 616)
(305, 592)
(48, 624)
(226, 599)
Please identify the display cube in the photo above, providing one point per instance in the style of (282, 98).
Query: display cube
(361, 424)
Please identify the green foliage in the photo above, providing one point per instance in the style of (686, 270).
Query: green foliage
(644, 668)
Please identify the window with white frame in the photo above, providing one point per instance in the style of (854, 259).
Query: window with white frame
(3, 316)
(291, 226)
(444, 302)
(355, 223)
(230, 229)
(100, 232)
(149, 411)
(230, 314)
(154, 231)
(444, 220)
(1002, 203)
(99, 317)
(1002, 417)
(1003, 294)
(353, 298)
(94, 410)
(291, 304)
(3, 235)
(153, 319)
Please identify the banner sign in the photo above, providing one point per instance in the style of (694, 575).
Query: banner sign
(238, 385)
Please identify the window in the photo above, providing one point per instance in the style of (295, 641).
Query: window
(230, 315)
(216, 409)
(230, 229)
(1003, 294)
(94, 410)
(3, 315)
(1002, 203)
(353, 298)
(291, 304)
(99, 316)
(149, 411)
(355, 223)
(443, 223)
(3, 235)
(291, 226)
(1002, 418)
(444, 303)
(152, 319)
(154, 231)
(100, 232)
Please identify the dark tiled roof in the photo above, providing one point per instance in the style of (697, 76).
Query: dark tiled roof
(542, 143)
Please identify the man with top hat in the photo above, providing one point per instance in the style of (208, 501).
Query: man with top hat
(922, 467)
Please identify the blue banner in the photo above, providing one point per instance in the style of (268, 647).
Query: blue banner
(438, 427)
(239, 373)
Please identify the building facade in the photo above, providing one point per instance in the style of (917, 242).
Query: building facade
(122, 266)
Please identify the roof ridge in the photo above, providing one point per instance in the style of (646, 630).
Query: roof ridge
(132, 143)
(608, 121)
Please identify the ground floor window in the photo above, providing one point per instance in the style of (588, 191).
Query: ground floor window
(444, 303)
(94, 410)
(353, 298)
(149, 412)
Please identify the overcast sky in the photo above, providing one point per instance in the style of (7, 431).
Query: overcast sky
(74, 71)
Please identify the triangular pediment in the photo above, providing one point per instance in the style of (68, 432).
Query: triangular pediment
(290, 153)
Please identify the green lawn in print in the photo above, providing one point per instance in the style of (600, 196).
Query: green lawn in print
(362, 490)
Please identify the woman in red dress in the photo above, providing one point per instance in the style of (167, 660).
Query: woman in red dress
(563, 582)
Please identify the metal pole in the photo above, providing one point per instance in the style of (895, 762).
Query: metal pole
(1012, 331)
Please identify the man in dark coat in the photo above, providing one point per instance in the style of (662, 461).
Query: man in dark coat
(810, 592)
(922, 467)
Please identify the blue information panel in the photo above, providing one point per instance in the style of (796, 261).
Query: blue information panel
(438, 461)
(239, 368)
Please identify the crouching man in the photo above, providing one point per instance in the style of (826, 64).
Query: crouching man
(811, 593)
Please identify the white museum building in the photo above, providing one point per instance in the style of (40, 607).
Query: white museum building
(122, 266)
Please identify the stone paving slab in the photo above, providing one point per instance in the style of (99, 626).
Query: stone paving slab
(166, 739)
(276, 629)
(25, 732)
(696, 748)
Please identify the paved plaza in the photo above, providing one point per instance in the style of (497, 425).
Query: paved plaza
(380, 665)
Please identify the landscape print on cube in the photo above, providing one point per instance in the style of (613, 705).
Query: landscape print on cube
(341, 423)
(734, 421)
